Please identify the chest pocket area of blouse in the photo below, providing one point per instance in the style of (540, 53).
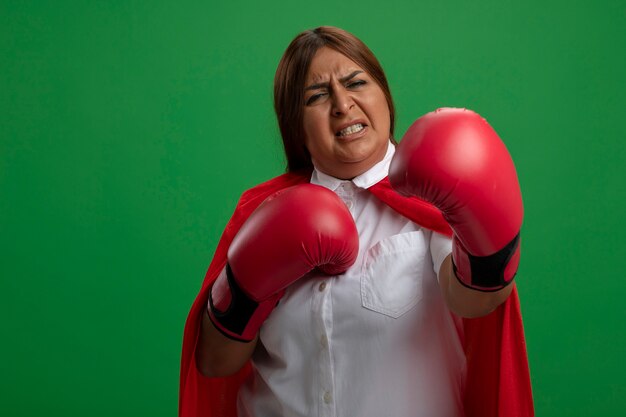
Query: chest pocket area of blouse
(393, 273)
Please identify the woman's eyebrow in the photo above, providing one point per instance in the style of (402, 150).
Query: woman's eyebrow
(325, 84)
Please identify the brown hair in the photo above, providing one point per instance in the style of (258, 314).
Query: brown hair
(291, 76)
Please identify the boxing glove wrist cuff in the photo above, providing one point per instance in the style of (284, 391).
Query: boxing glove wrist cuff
(244, 316)
(487, 273)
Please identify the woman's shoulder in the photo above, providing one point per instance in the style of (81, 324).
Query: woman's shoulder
(254, 196)
(277, 183)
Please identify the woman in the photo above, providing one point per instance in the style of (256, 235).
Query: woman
(377, 324)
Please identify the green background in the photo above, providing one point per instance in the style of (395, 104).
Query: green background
(129, 129)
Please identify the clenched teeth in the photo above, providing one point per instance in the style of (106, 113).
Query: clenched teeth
(350, 129)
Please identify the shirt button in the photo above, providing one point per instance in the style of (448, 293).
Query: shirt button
(324, 341)
(328, 398)
(322, 286)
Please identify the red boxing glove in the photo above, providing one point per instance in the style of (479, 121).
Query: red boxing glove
(453, 159)
(290, 233)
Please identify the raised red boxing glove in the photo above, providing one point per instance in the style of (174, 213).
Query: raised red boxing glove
(290, 233)
(453, 159)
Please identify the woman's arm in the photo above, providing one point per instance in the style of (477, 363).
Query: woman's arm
(465, 301)
(218, 355)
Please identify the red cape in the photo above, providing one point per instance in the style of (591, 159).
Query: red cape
(498, 379)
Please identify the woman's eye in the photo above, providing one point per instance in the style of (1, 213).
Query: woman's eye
(314, 98)
(355, 84)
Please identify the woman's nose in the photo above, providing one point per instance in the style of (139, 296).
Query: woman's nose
(342, 102)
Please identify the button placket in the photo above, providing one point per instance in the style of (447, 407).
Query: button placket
(322, 311)
(347, 194)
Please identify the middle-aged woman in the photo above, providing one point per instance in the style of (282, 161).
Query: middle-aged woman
(395, 309)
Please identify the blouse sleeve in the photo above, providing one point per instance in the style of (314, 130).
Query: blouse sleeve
(440, 248)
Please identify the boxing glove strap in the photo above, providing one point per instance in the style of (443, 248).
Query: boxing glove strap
(233, 321)
(487, 272)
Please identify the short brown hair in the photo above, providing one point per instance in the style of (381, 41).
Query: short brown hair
(291, 76)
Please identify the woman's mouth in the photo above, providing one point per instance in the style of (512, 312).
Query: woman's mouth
(351, 130)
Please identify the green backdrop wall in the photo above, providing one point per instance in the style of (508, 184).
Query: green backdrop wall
(129, 129)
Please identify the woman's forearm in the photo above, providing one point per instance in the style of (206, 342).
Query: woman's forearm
(467, 302)
(218, 355)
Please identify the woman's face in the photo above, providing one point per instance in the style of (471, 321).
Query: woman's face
(346, 118)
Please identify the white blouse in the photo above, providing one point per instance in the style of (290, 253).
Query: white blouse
(375, 341)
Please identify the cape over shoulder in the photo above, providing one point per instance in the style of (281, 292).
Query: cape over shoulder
(498, 379)
(198, 395)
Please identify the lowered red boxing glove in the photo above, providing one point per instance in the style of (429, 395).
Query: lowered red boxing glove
(290, 233)
(453, 159)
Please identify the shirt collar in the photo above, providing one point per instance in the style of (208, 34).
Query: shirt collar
(370, 177)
